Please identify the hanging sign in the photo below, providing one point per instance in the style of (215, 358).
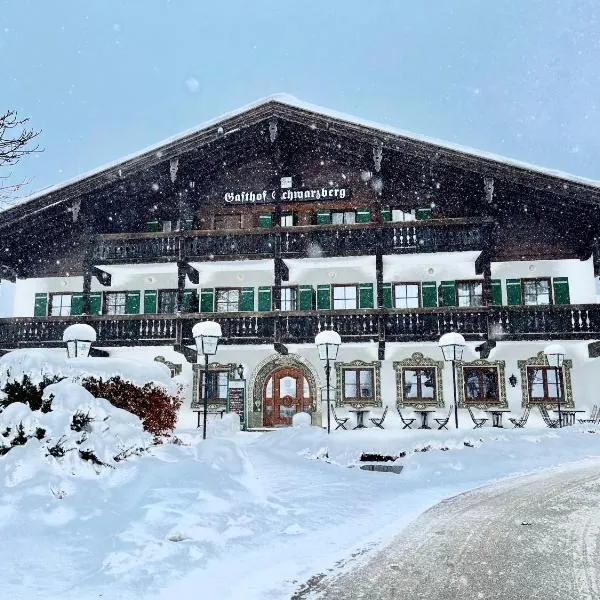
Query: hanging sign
(301, 195)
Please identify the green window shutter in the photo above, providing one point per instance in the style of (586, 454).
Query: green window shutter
(264, 299)
(363, 215)
(77, 303)
(429, 294)
(365, 295)
(496, 292)
(448, 293)
(323, 217)
(188, 224)
(388, 301)
(40, 305)
(149, 302)
(207, 300)
(423, 214)
(153, 225)
(132, 303)
(188, 300)
(96, 303)
(324, 297)
(560, 287)
(247, 300)
(513, 292)
(265, 220)
(386, 214)
(305, 297)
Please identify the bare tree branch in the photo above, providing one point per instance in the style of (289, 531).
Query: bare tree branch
(15, 143)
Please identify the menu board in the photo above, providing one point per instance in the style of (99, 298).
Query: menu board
(236, 397)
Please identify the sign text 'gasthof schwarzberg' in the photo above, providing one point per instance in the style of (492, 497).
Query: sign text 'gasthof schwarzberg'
(267, 196)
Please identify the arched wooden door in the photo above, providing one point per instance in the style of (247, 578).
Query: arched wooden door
(286, 392)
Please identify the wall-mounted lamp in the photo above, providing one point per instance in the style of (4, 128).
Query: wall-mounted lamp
(512, 380)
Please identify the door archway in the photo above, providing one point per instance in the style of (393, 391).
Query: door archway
(286, 392)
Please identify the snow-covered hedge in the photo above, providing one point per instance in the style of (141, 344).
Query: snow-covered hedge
(77, 426)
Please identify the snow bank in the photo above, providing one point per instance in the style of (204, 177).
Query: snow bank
(37, 363)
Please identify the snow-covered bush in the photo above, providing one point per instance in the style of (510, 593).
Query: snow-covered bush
(77, 427)
(26, 392)
(152, 404)
(301, 419)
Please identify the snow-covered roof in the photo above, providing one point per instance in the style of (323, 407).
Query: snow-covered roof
(287, 100)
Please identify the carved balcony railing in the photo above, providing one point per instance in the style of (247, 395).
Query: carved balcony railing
(447, 235)
(410, 325)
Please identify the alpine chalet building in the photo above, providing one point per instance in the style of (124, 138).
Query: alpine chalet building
(282, 220)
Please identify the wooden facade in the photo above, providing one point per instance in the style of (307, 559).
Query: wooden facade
(223, 192)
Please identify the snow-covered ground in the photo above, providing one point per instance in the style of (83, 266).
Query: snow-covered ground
(244, 515)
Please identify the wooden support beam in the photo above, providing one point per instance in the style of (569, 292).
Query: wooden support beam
(103, 277)
(192, 274)
(7, 273)
(485, 348)
(190, 354)
(282, 268)
(381, 350)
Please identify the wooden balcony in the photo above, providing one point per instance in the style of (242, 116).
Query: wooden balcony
(425, 324)
(447, 235)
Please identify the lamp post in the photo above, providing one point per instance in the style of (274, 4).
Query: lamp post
(555, 354)
(452, 345)
(207, 335)
(328, 343)
(79, 338)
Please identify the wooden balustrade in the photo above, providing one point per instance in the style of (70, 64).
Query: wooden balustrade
(449, 235)
(410, 325)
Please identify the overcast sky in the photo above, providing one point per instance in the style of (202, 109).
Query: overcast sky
(103, 78)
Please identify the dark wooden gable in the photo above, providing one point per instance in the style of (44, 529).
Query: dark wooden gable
(538, 215)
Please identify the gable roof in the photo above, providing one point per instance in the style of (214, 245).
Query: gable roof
(289, 108)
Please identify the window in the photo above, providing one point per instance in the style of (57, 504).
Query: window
(344, 297)
(218, 383)
(289, 298)
(536, 291)
(167, 302)
(287, 220)
(167, 226)
(544, 384)
(358, 384)
(406, 295)
(418, 384)
(115, 303)
(60, 305)
(481, 385)
(227, 300)
(400, 215)
(469, 293)
(343, 218)
(228, 221)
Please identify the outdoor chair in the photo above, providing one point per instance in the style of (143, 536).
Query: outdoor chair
(407, 422)
(378, 421)
(443, 421)
(341, 421)
(477, 421)
(552, 423)
(593, 415)
(520, 422)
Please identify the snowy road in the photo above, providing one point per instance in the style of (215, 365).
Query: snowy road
(532, 537)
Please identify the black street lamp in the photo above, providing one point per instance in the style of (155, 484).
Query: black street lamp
(453, 345)
(328, 343)
(207, 335)
(78, 339)
(555, 354)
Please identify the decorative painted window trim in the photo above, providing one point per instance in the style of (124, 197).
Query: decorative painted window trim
(175, 368)
(541, 361)
(197, 370)
(416, 361)
(500, 366)
(375, 366)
